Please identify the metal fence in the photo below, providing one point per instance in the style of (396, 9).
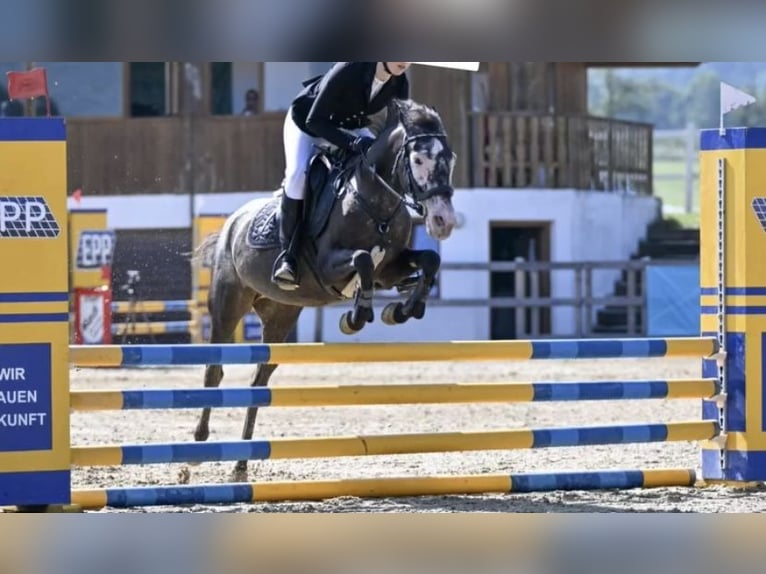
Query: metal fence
(534, 295)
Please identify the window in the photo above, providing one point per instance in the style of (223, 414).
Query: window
(148, 89)
(221, 85)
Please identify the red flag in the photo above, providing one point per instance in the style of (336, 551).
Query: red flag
(23, 85)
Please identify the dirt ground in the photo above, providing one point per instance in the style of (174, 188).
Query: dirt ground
(131, 427)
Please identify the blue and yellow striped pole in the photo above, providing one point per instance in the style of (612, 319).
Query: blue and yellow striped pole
(34, 313)
(397, 394)
(733, 205)
(380, 488)
(373, 445)
(327, 353)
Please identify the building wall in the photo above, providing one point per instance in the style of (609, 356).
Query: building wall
(585, 226)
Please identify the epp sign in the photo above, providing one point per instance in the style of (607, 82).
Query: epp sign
(95, 249)
(27, 217)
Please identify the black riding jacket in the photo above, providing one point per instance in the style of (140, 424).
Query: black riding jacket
(339, 100)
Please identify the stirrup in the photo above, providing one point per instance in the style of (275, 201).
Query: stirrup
(285, 275)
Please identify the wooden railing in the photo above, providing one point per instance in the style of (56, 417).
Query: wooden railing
(109, 156)
(517, 150)
(230, 153)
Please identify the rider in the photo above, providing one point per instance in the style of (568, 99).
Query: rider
(334, 108)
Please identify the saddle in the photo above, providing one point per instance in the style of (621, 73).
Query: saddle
(327, 178)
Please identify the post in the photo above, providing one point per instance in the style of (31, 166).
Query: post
(733, 207)
(34, 314)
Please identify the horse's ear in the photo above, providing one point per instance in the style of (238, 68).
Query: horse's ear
(393, 117)
(395, 111)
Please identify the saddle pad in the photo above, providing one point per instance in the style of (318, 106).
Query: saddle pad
(264, 229)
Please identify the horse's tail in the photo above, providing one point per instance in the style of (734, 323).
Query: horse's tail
(205, 252)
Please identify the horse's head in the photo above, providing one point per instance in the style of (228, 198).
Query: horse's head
(423, 163)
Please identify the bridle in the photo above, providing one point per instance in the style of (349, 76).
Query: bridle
(411, 187)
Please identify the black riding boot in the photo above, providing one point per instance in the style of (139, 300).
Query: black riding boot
(285, 273)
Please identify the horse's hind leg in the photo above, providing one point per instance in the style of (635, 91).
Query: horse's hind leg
(227, 304)
(277, 321)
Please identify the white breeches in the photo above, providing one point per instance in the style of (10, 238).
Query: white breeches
(299, 147)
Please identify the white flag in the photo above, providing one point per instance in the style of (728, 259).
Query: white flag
(469, 66)
(732, 99)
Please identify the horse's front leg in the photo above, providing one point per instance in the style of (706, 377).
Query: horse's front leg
(427, 262)
(360, 266)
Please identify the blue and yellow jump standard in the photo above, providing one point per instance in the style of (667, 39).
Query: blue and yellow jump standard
(733, 208)
(34, 314)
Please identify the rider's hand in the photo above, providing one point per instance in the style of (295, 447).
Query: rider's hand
(362, 144)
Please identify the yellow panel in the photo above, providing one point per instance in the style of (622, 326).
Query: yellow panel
(34, 318)
(745, 243)
(79, 221)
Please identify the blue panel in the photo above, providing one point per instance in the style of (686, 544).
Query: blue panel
(673, 300)
(196, 452)
(735, 404)
(34, 318)
(735, 310)
(741, 465)
(32, 129)
(735, 371)
(175, 496)
(734, 138)
(33, 297)
(47, 487)
(739, 291)
(25, 397)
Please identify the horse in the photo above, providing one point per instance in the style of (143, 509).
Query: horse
(357, 230)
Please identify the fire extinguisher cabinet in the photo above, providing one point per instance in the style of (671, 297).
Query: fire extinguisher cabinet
(93, 316)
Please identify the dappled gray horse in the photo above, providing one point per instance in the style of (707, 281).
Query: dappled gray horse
(357, 231)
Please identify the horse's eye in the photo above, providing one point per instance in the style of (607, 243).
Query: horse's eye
(418, 161)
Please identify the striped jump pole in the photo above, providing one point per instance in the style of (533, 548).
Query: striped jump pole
(154, 328)
(125, 307)
(380, 488)
(325, 353)
(399, 394)
(373, 445)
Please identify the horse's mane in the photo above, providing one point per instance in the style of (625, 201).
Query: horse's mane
(416, 117)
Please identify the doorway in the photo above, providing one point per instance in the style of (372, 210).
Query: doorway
(530, 241)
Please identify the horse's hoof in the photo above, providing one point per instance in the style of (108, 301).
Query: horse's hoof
(419, 310)
(393, 315)
(366, 314)
(239, 474)
(201, 435)
(347, 326)
(184, 476)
